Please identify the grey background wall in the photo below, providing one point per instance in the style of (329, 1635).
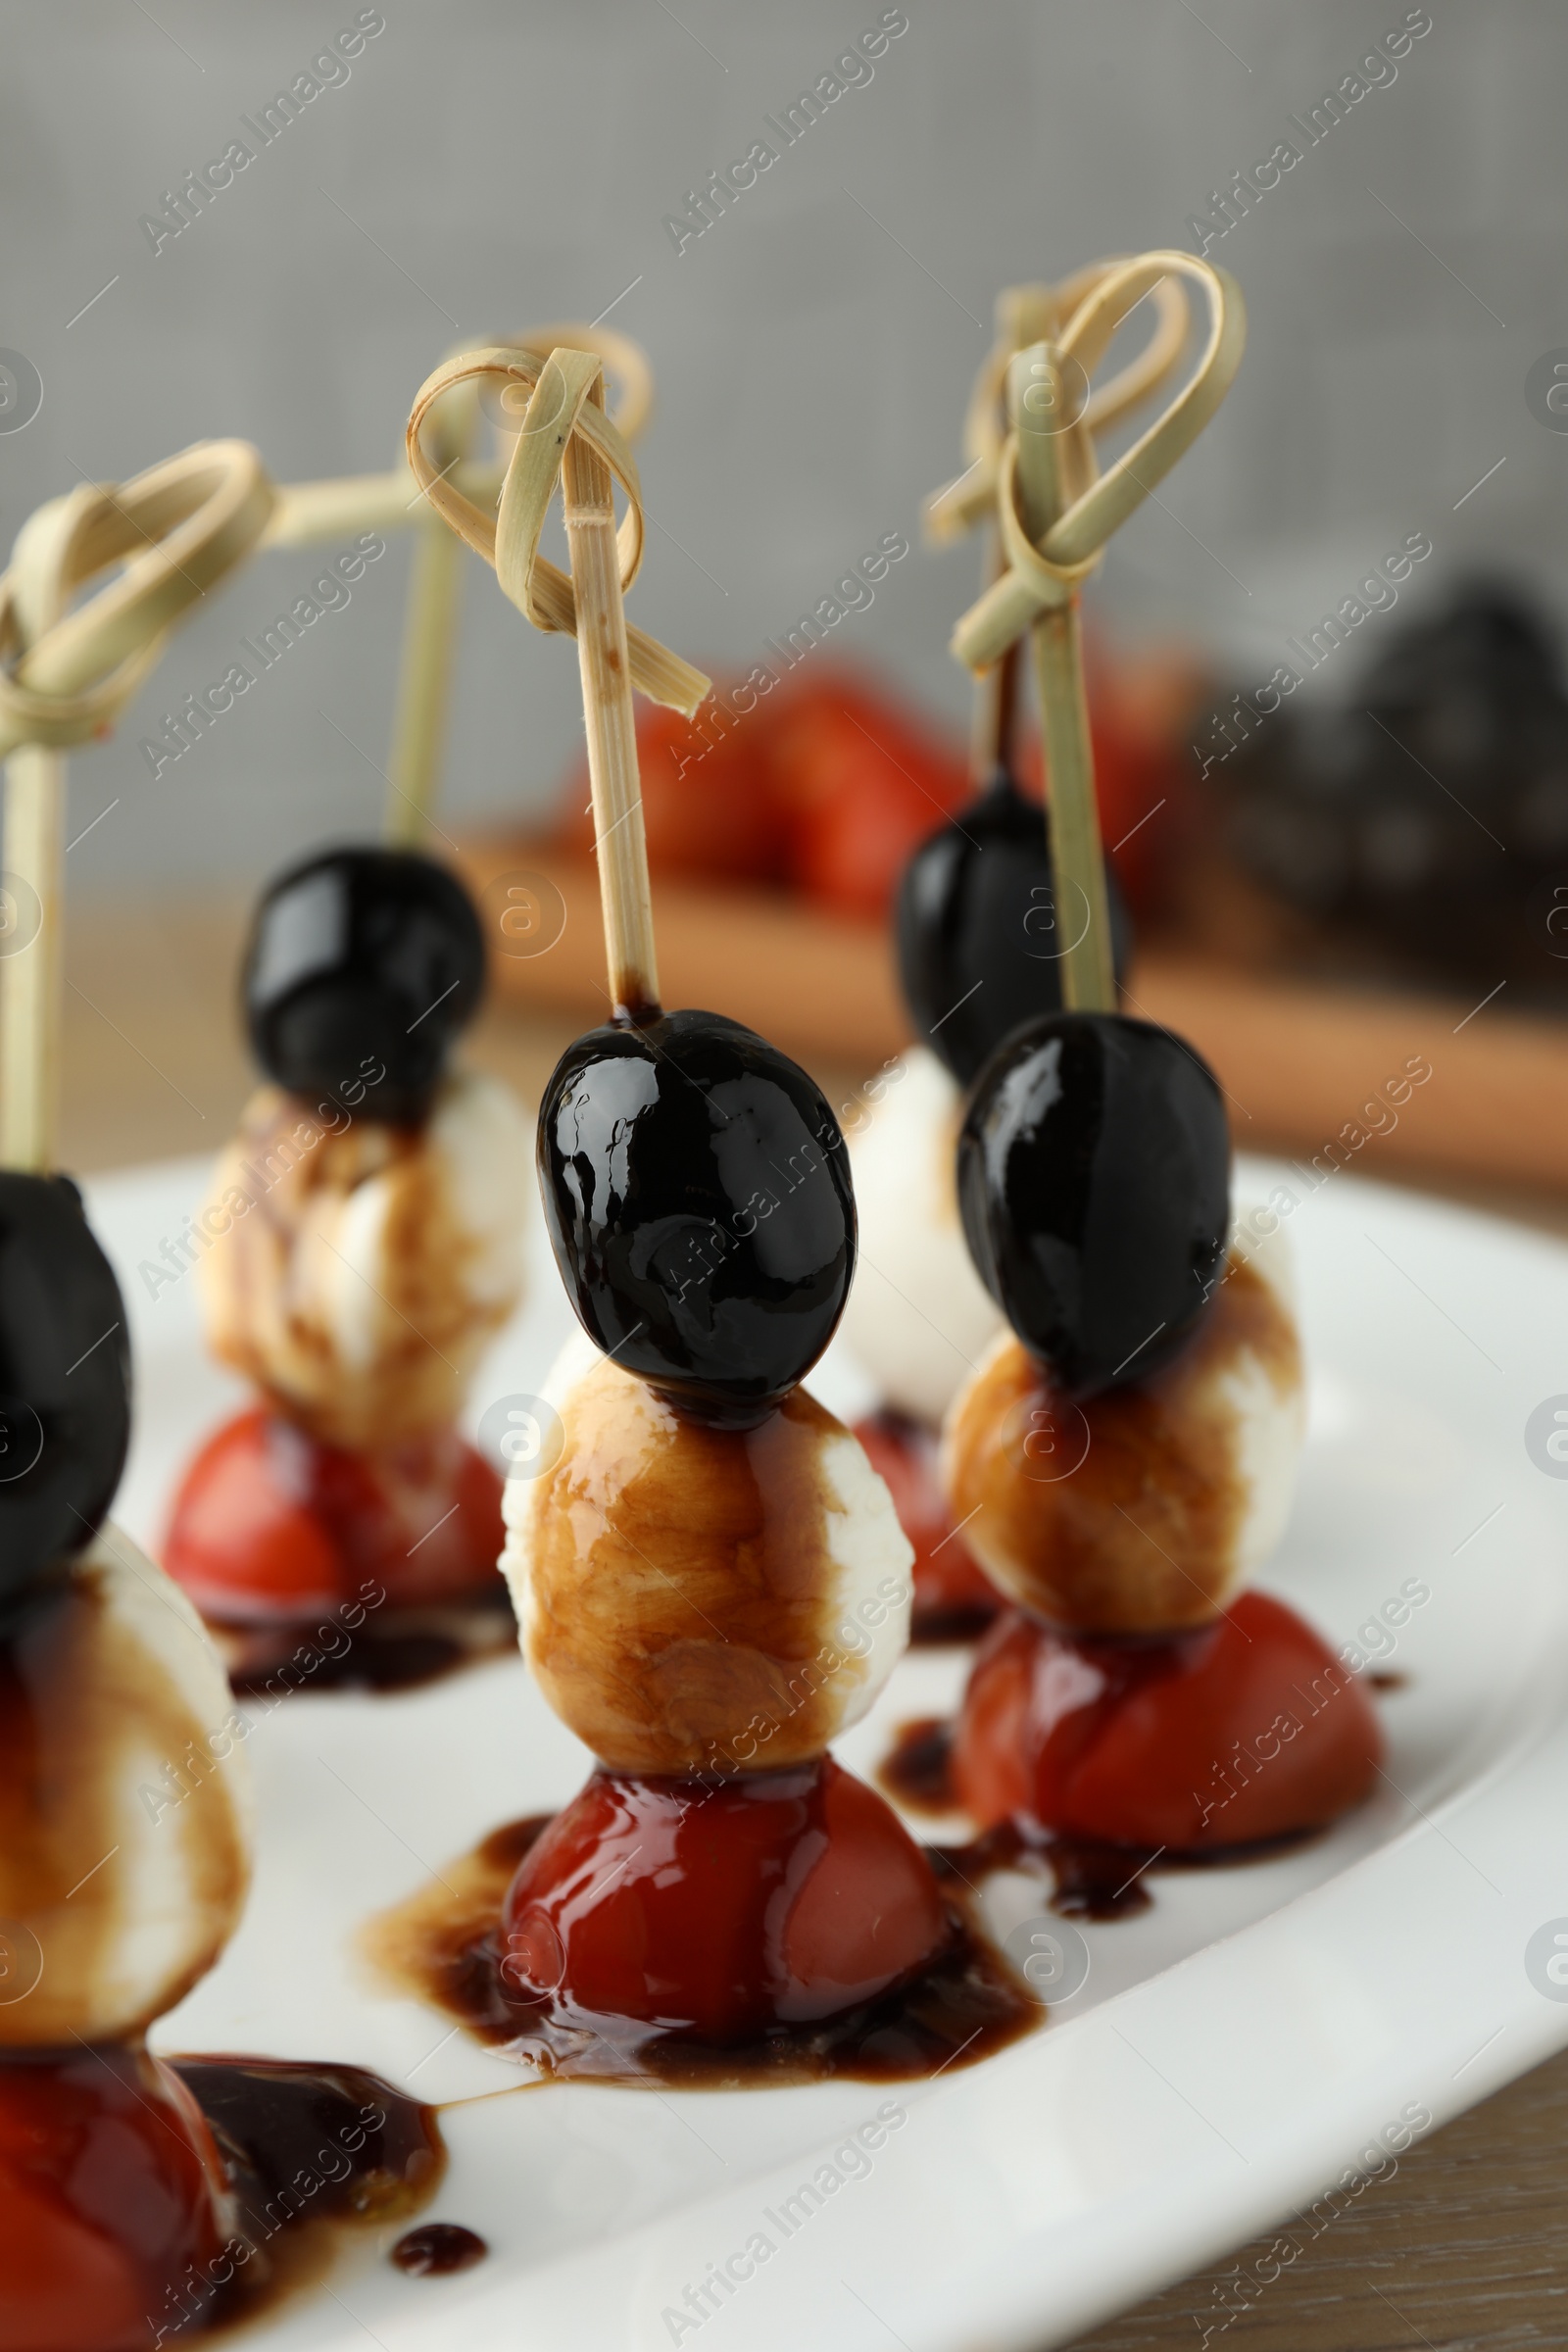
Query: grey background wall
(487, 162)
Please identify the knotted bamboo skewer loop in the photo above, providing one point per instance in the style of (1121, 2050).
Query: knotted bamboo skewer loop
(625, 360)
(1056, 511)
(428, 655)
(1056, 565)
(68, 675)
(1027, 315)
(538, 587)
(307, 512)
(64, 678)
(1031, 315)
(566, 438)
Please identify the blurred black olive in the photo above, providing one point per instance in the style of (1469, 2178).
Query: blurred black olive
(359, 961)
(65, 1379)
(697, 1192)
(978, 933)
(1094, 1181)
(1423, 816)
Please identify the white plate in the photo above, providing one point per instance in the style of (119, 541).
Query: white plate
(1235, 2047)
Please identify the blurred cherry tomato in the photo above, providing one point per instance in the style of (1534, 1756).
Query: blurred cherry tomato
(1137, 715)
(861, 785)
(827, 783)
(707, 804)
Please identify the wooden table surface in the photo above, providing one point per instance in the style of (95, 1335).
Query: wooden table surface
(1466, 2246)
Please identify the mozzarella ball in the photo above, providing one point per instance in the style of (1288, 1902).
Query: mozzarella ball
(1145, 1509)
(702, 1599)
(356, 1271)
(124, 1804)
(918, 1317)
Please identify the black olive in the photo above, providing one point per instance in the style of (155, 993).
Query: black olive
(979, 944)
(697, 1192)
(1094, 1180)
(65, 1379)
(363, 960)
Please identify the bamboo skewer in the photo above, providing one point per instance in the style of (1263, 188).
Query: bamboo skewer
(307, 514)
(68, 670)
(33, 983)
(566, 436)
(67, 675)
(1023, 315)
(428, 654)
(1038, 395)
(588, 502)
(1031, 313)
(435, 580)
(1056, 511)
(1026, 316)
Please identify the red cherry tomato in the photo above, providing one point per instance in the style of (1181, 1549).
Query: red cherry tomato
(862, 785)
(270, 1525)
(716, 1909)
(112, 2202)
(244, 1531)
(1138, 713)
(707, 801)
(1245, 1730)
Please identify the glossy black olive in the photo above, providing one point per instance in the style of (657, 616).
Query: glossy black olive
(1094, 1180)
(363, 960)
(698, 1195)
(979, 948)
(65, 1379)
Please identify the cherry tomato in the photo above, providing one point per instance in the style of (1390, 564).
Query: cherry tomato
(862, 785)
(707, 802)
(716, 1908)
(272, 1524)
(112, 2202)
(1245, 1730)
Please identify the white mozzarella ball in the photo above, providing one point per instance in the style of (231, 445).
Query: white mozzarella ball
(1147, 1507)
(918, 1317)
(124, 1857)
(357, 1272)
(699, 1599)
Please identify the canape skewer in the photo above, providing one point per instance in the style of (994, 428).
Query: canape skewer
(435, 580)
(429, 654)
(1056, 512)
(1023, 315)
(177, 529)
(1030, 314)
(1026, 314)
(566, 435)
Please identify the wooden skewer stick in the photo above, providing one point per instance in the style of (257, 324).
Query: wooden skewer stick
(1039, 395)
(33, 980)
(566, 436)
(309, 514)
(994, 716)
(1057, 511)
(1033, 313)
(435, 578)
(429, 645)
(1023, 315)
(624, 894)
(68, 670)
